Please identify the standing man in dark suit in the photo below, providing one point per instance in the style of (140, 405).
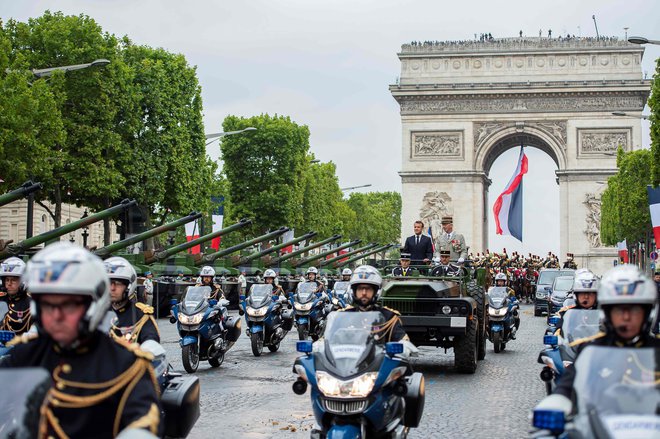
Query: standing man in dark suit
(419, 246)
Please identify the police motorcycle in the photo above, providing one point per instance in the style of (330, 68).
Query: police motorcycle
(558, 353)
(267, 321)
(359, 388)
(616, 393)
(207, 331)
(340, 293)
(310, 310)
(501, 324)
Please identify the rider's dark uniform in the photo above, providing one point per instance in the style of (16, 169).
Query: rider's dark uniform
(216, 291)
(100, 388)
(404, 272)
(137, 321)
(391, 330)
(18, 318)
(565, 384)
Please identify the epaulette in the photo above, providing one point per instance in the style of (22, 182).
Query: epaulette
(587, 339)
(23, 338)
(566, 308)
(347, 308)
(133, 348)
(393, 310)
(144, 308)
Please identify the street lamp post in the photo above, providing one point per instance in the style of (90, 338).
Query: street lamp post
(85, 231)
(642, 40)
(355, 187)
(40, 73)
(215, 136)
(636, 116)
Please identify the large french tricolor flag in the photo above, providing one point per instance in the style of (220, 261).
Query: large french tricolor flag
(622, 249)
(654, 207)
(508, 207)
(192, 232)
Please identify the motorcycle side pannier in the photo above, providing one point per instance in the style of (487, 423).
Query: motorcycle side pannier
(180, 401)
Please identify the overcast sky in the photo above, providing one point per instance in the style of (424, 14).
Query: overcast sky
(328, 63)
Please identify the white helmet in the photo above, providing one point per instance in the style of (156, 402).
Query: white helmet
(119, 268)
(312, 270)
(207, 271)
(586, 282)
(366, 274)
(500, 276)
(270, 273)
(626, 285)
(64, 268)
(12, 267)
(346, 272)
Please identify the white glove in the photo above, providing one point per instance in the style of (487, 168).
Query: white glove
(461, 260)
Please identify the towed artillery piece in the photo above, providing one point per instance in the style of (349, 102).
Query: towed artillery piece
(24, 190)
(446, 312)
(25, 245)
(347, 255)
(356, 258)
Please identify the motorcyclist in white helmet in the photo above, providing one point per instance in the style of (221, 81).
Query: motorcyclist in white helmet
(206, 276)
(18, 318)
(501, 281)
(346, 274)
(312, 276)
(135, 321)
(270, 277)
(100, 386)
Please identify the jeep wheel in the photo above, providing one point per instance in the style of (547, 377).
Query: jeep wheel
(465, 349)
(477, 293)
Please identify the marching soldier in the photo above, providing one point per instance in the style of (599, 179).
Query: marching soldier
(100, 386)
(404, 269)
(18, 318)
(570, 263)
(452, 241)
(135, 321)
(445, 268)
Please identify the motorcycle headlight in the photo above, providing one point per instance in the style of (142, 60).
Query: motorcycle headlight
(303, 306)
(257, 312)
(359, 387)
(191, 320)
(540, 295)
(497, 312)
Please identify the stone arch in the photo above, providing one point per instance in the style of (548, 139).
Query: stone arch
(511, 137)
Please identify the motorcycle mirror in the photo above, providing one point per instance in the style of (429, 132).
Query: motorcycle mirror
(241, 297)
(173, 302)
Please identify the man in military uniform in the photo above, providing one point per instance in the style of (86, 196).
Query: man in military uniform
(365, 284)
(100, 386)
(206, 276)
(404, 269)
(18, 318)
(452, 241)
(627, 298)
(135, 321)
(444, 267)
(570, 263)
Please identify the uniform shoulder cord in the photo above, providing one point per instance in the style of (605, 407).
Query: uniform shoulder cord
(387, 329)
(6, 325)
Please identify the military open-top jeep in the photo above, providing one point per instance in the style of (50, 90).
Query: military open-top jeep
(446, 312)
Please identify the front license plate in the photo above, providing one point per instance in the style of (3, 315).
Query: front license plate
(458, 322)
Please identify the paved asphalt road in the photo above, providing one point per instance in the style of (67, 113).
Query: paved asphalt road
(250, 397)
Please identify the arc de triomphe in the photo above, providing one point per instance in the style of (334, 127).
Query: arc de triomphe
(464, 103)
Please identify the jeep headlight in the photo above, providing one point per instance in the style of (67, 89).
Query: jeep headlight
(256, 312)
(359, 387)
(191, 320)
(303, 306)
(497, 312)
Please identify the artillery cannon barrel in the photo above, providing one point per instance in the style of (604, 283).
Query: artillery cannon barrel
(15, 249)
(326, 253)
(358, 257)
(161, 255)
(26, 189)
(213, 256)
(303, 250)
(348, 254)
(274, 248)
(106, 251)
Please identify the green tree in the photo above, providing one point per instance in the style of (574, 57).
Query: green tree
(654, 103)
(265, 170)
(321, 199)
(378, 216)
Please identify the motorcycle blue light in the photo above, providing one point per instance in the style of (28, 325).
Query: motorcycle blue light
(551, 340)
(213, 302)
(393, 348)
(304, 346)
(552, 420)
(173, 302)
(554, 320)
(241, 297)
(6, 336)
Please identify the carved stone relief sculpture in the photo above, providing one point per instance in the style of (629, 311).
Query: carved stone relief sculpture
(592, 232)
(598, 141)
(444, 144)
(435, 205)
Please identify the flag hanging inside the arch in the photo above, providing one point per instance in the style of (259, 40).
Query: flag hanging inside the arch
(508, 208)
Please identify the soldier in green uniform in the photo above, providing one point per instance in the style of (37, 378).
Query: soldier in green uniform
(135, 321)
(18, 318)
(365, 284)
(100, 386)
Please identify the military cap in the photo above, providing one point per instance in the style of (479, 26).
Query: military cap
(445, 253)
(405, 256)
(447, 220)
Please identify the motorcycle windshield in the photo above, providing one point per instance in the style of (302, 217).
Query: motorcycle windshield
(195, 299)
(4, 308)
(619, 388)
(580, 323)
(349, 340)
(498, 297)
(306, 291)
(341, 287)
(260, 295)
